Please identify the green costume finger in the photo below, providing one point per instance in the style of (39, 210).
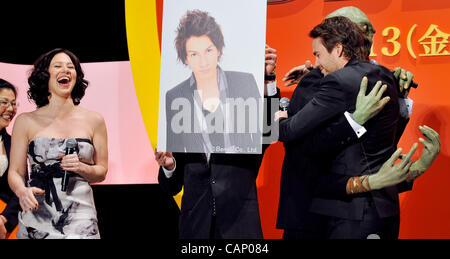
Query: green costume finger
(406, 159)
(403, 74)
(409, 77)
(397, 72)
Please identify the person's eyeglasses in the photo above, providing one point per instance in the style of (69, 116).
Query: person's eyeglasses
(6, 104)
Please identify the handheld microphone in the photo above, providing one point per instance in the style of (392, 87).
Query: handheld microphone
(71, 148)
(284, 103)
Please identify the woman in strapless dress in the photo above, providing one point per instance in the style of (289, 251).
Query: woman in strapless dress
(57, 85)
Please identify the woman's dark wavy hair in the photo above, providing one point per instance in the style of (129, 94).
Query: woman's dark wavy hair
(197, 23)
(38, 80)
(340, 29)
(7, 85)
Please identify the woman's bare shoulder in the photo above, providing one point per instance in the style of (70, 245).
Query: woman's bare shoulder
(26, 117)
(92, 116)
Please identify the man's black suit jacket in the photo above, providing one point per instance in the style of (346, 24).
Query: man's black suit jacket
(239, 86)
(336, 94)
(6, 194)
(307, 158)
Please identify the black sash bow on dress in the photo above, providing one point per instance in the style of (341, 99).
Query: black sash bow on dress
(42, 177)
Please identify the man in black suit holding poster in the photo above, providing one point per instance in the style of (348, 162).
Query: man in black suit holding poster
(220, 195)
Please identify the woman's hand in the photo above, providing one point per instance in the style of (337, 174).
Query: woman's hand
(27, 198)
(72, 163)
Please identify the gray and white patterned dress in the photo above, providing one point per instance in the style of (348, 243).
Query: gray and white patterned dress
(70, 214)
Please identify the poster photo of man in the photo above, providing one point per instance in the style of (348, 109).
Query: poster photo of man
(212, 76)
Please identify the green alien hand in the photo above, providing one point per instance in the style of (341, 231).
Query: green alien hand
(369, 105)
(392, 173)
(404, 79)
(432, 147)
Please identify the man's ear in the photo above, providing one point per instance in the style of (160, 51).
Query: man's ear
(339, 49)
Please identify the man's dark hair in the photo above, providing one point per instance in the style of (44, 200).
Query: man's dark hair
(197, 23)
(341, 30)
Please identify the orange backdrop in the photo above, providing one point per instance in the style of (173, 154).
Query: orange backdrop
(425, 211)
